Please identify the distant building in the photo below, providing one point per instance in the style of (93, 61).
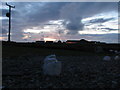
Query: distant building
(77, 41)
(49, 42)
(84, 41)
(59, 41)
(40, 42)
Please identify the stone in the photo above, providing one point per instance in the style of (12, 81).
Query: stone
(117, 57)
(106, 58)
(51, 66)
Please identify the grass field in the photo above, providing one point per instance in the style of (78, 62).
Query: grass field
(14, 51)
(22, 68)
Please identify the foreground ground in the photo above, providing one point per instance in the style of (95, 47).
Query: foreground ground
(23, 69)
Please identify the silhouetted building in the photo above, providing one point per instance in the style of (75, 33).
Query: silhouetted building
(77, 41)
(49, 42)
(84, 41)
(40, 42)
(59, 41)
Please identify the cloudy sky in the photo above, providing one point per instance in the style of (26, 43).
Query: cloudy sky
(32, 21)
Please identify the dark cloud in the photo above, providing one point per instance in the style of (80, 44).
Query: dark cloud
(50, 24)
(110, 29)
(74, 25)
(74, 12)
(101, 25)
(31, 14)
(38, 12)
(4, 31)
(100, 20)
(4, 11)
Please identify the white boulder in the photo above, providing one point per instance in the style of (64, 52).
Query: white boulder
(50, 58)
(117, 57)
(116, 51)
(51, 66)
(111, 50)
(106, 58)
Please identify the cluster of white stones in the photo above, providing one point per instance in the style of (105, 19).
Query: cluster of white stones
(51, 66)
(114, 51)
(117, 52)
(116, 57)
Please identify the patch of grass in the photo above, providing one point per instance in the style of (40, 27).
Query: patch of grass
(19, 51)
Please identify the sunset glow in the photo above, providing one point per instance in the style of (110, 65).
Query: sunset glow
(2, 38)
(49, 39)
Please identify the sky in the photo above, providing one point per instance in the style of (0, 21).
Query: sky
(34, 21)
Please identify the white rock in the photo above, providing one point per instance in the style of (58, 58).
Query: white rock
(51, 66)
(111, 50)
(50, 58)
(116, 52)
(107, 58)
(117, 58)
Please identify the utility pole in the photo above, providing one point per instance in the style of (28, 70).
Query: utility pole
(9, 15)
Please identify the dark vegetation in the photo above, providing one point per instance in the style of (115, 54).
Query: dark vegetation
(18, 48)
(82, 67)
(88, 47)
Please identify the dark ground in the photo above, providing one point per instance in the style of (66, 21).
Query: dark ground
(22, 69)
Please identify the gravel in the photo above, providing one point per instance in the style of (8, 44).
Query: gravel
(77, 72)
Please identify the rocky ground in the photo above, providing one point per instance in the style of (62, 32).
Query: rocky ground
(77, 72)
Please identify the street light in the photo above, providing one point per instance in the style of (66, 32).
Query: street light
(9, 15)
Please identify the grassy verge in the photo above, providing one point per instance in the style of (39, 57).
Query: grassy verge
(17, 51)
